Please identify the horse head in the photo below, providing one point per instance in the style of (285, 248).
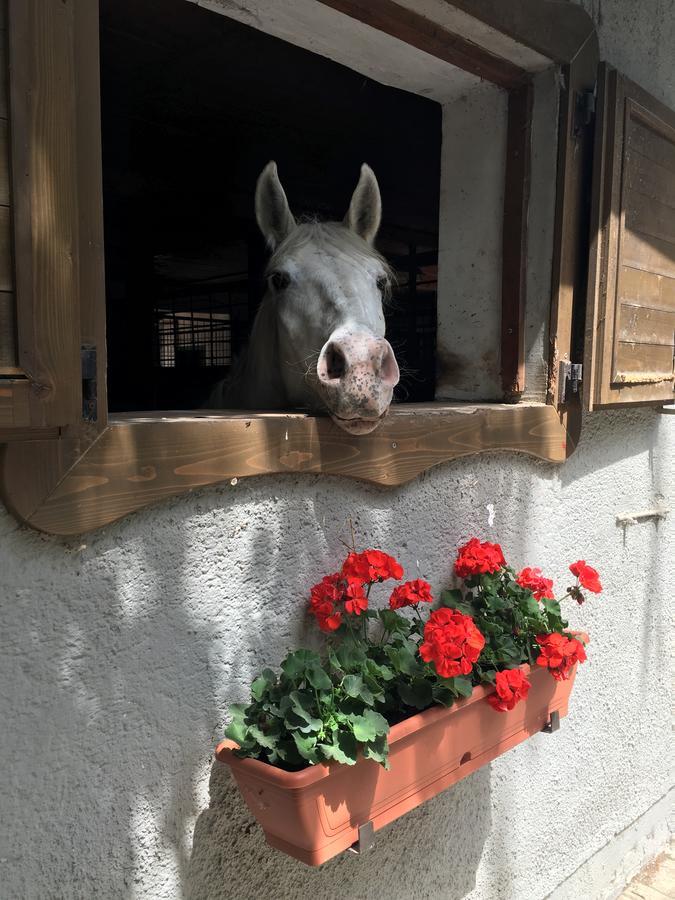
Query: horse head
(326, 284)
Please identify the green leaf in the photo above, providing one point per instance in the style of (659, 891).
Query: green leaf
(302, 706)
(237, 731)
(306, 747)
(444, 694)
(265, 740)
(352, 684)
(531, 606)
(463, 685)
(451, 599)
(263, 683)
(351, 655)
(418, 694)
(318, 678)
(403, 657)
(394, 622)
(379, 671)
(344, 748)
(368, 726)
(296, 664)
(377, 750)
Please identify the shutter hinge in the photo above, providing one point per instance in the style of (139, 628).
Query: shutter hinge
(89, 397)
(569, 380)
(584, 110)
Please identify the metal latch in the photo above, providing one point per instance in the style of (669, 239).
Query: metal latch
(89, 397)
(568, 380)
(584, 110)
(553, 723)
(366, 838)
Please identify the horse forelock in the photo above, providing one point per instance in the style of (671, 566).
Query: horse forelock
(333, 238)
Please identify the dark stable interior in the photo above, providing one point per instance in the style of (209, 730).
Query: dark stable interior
(194, 105)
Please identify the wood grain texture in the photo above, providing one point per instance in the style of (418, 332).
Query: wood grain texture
(642, 363)
(44, 191)
(570, 243)
(14, 409)
(91, 266)
(514, 241)
(643, 325)
(557, 30)
(418, 31)
(7, 332)
(631, 290)
(137, 461)
(646, 289)
(649, 179)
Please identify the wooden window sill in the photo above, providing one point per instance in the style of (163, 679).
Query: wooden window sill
(140, 458)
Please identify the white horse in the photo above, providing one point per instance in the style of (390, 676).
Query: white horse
(318, 338)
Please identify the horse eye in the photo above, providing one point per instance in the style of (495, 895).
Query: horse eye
(382, 284)
(280, 280)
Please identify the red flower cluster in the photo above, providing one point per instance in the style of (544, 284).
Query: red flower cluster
(511, 687)
(410, 594)
(533, 580)
(344, 591)
(452, 642)
(329, 593)
(476, 558)
(559, 653)
(370, 566)
(587, 575)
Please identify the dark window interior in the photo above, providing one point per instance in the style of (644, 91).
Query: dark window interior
(194, 104)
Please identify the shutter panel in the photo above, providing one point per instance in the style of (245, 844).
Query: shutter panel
(630, 323)
(52, 301)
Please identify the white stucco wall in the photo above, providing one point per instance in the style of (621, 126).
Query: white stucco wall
(120, 654)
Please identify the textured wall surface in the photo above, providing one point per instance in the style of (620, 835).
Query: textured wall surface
(120, 654)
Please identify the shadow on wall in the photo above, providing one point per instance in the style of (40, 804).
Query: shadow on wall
(230, 858)
(122, 657)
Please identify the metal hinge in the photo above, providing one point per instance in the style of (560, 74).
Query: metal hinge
(89, 397)
(569, 379)
(584, 110)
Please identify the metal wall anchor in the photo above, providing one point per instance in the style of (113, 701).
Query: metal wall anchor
(553, 723)
(366, 839)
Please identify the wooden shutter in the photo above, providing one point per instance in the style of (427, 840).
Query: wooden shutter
(52, 302)
(630, 322)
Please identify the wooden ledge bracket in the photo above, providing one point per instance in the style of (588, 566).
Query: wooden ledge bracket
(366, 839)
(67, 486)
(553, 723)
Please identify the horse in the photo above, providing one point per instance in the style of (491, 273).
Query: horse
(317, 340)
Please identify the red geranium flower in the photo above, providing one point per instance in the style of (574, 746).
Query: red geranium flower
(324, 597)
(533, 580)
(476, 558)
(410, 594)
(354, 597)
(559, 654)
(587, 575)
(371, 565)
(511, 687)
(452, 642)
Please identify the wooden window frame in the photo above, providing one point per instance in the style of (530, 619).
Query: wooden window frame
(66, 472)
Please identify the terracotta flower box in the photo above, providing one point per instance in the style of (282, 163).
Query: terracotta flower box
(315, 813)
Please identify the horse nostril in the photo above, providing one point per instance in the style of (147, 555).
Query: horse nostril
(389, 372)
(336, 364)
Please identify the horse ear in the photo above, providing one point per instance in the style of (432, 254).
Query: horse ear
(272, 212)
(365, 210)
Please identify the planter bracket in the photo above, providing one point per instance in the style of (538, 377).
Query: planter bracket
(553, 723)
(366, 838)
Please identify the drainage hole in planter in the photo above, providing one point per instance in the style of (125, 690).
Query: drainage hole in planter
(465, 758)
